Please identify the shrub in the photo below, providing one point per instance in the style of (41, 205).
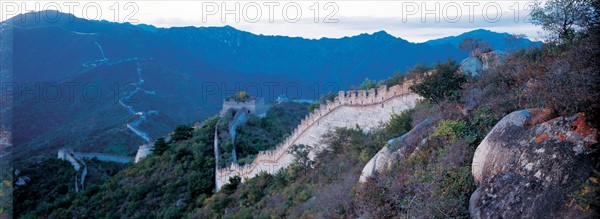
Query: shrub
(508, 87)
(160, 146)
(368, 84)
(233, 184)
(480, 122)
(572, 83)
(182, 132)
(395, 79)
(399, 124)
(474, 46)
(313, 106)
(449, 130)
(454, 192)
(417, 69)
(587, 198)
(300, 153)
(443, 83)
(327, 97)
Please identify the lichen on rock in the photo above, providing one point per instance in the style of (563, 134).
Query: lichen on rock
(529, 163)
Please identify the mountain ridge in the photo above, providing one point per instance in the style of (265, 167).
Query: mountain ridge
(153, 28)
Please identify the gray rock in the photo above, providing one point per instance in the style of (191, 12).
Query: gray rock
(474, 65)
(471, 66)
(21, 181)
(396, 149)
(528, 165)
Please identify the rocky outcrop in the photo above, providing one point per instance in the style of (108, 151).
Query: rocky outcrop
(471, 66)
(529, 163)
(476, 64)
(395, 150)
(492, 59)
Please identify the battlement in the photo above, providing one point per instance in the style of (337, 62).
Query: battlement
(271, 161)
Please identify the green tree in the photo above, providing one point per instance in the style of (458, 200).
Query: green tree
(399, 124)
(233, 184)
(395, 79)
(563, 20)
(160, 146)
(182, 132)
(443, 83)
(474, 45)
(368, 84)
(327, 97)
(419, 68)
(300, 153)
(313, 106)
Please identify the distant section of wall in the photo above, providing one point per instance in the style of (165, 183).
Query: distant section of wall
(103, 157)
(78, 164)
(366, 109)
(67, 154)
(77, 161)
(239, 118)
(143, 151)
(253, 106)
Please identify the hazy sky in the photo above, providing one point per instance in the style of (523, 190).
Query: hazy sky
(416, 21)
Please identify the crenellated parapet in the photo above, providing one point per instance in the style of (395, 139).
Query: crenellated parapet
(377, 104)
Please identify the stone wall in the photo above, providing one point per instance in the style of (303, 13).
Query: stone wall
(366, 108)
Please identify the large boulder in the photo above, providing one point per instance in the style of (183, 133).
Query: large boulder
(395, 150)
(471, 66)
(474, 65)
(529, 164)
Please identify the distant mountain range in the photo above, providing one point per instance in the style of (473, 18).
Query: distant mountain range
(498, 41)
(185, 73)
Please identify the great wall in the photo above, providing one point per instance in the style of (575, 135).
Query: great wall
(146, 148)
(367, 109)
(77, 160)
